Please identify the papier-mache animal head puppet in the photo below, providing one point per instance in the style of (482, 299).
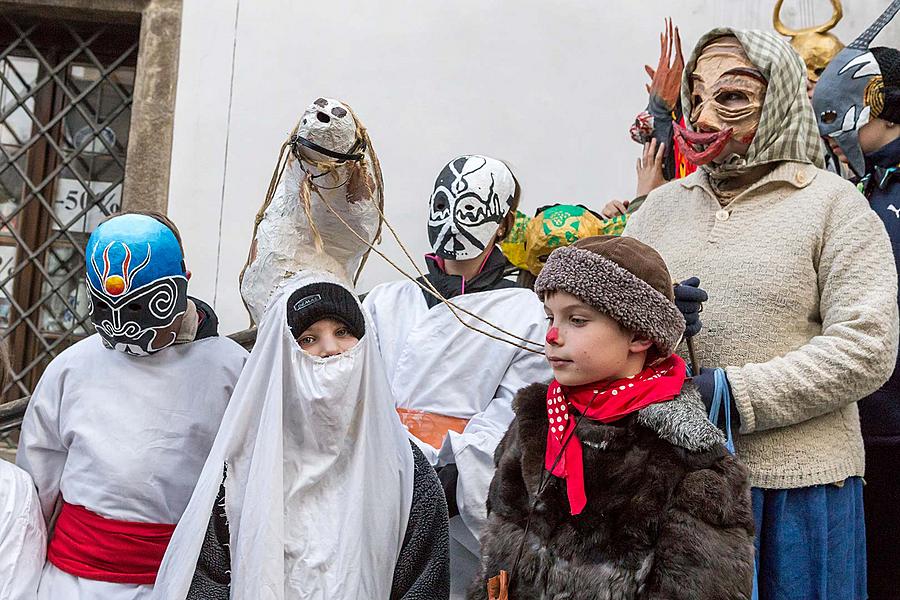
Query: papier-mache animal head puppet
(852, 90)
(137, 283)
(323, 209)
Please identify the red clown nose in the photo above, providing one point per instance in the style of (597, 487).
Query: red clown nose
(552, 335)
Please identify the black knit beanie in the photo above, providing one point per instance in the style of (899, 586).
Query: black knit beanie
(319, 301)
(889, 62)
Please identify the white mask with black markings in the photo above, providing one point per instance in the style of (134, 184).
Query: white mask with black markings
(471, 197)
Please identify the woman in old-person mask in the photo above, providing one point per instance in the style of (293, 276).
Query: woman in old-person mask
(802, 315)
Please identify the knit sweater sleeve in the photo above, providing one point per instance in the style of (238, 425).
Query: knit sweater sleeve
(855, 352)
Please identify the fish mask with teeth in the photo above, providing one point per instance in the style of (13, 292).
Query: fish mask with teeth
(851, 92)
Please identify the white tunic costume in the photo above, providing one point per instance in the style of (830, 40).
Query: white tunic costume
(23, 536)
(437, 365)
(124, 436)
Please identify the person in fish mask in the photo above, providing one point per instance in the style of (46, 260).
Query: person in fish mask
(453, 386)
(120, 423)
(802, 311)
(857, 104)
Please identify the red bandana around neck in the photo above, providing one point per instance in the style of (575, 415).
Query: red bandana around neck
(614, 400)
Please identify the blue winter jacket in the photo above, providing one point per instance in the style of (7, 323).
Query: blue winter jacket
(880, 412)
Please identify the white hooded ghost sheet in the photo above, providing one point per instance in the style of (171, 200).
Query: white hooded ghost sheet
(23, 537)
(320, 474)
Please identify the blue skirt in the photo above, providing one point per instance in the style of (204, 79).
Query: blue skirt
(811, 542)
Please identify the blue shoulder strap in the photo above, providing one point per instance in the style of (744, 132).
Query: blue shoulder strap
(722, 402)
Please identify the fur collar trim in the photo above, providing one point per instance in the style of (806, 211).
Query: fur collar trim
(682, 421)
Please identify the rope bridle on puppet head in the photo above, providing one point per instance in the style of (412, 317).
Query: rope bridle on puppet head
(360, 184)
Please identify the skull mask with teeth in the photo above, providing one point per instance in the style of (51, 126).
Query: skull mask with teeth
(471, 197)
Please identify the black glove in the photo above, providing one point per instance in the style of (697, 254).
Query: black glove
(449, 474)
(689, 298)
(706, 384)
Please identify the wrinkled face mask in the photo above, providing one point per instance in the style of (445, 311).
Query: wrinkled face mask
(471, 197)
(727, 95)
(137, 284)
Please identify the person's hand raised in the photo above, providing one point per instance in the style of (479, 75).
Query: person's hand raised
(614, 208)
(650, 168)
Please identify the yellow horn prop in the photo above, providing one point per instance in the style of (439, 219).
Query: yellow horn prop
(780, 27)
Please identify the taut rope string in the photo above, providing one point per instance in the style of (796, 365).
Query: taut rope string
(308, 185)
(429, 288)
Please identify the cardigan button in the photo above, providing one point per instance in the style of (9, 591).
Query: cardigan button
(722, 215)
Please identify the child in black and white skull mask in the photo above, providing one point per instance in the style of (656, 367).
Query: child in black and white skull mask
(453, 386)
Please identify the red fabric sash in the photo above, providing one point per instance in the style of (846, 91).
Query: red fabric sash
(614, 400)
(87, 545)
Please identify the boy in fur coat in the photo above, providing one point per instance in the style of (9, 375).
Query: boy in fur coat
(611, 482)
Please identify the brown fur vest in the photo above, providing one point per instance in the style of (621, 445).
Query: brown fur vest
(668, 513)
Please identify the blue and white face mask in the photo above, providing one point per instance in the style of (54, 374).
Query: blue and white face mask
(843, 97)
(137, 283)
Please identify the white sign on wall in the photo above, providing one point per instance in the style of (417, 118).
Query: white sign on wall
(72, 198)
(7, 262)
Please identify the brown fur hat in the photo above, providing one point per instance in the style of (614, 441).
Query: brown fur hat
(622, 278)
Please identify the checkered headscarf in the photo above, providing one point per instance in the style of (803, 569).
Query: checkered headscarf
(787, 127)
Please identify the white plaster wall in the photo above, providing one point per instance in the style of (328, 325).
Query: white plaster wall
(551, 87)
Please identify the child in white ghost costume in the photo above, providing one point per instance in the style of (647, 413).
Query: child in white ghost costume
(119, 426)
(324, 497)
(453, 386)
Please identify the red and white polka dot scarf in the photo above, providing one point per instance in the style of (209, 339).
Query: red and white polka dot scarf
(614, 400)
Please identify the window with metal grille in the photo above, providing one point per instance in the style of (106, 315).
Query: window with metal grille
(65, 105)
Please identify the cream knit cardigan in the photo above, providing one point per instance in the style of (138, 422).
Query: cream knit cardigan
(802, 310)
